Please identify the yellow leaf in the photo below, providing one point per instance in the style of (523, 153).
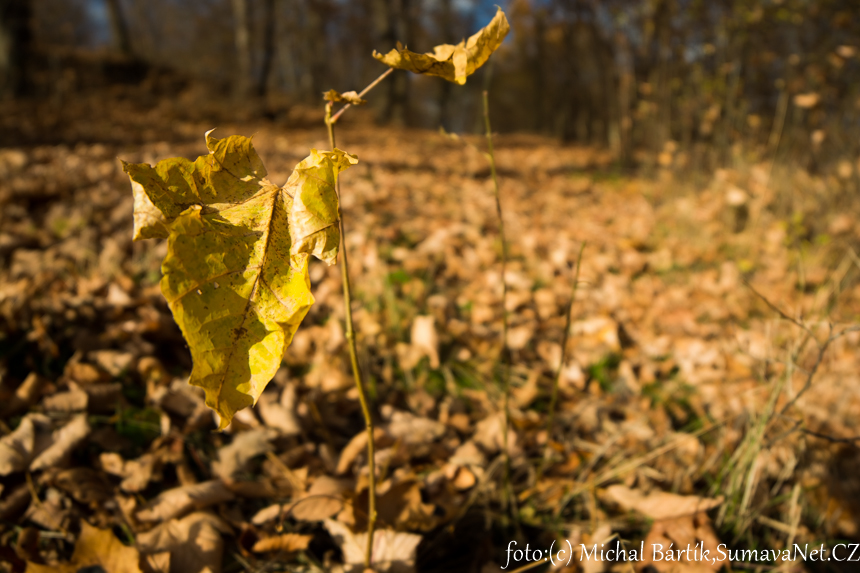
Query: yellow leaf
(453, 63)
(288, 542)
(236, 270)
(95, 548)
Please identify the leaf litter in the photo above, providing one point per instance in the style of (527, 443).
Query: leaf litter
(670, 361)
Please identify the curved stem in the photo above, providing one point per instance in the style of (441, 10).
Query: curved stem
(356, 369)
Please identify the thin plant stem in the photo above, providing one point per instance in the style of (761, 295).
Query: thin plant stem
(506, 366)
(550, 422)
(369, 87)
(356, 369)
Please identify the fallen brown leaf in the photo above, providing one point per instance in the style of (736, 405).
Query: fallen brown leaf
(194, 543)
(280, 414)
(288, 542)
(323, 499)
(659, 504)
(233, 457)
(63, 442)
(678, 532)
(136, 474)
(95, 548)
(393, 551)
(16, 449)
(174, 502)
(85, 485)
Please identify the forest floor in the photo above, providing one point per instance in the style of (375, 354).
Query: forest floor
(709, 393)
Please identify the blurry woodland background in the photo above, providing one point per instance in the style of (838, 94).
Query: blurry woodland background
(708, 153)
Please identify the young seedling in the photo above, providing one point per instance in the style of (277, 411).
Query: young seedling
(453, 63)
(236, 271)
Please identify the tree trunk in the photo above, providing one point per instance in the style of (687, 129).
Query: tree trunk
(268, 47)
(243, 47)
(446, 25)
(118, 28)
(16, 39)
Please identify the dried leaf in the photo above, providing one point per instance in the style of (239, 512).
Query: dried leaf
(323, 500)
(72, 401)
(85, 485)
(414, 430)
(136, 473)
(678, 532)
(393, 551)
(355, 446)
(63, 441)
(267, 514)
(174, 502)
(95, 548)
(25, 395)
(233, 457)
(399, 505)
(345, 97)
(489, 435)
(16, 448)
(280, 415)
(453, 63)
(236, 270)
(659, 504)
(287, 542)
(425, 341)
(194, 542)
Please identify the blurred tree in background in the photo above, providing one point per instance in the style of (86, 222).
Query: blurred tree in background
(656, 81)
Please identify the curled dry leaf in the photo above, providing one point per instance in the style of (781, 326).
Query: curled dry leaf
(136, 474)
(267, 514)
(72, 401)
(345, 97)
(357, 445)
(16, 449)
(174, 502)
(399, 505)
(233, 457)
(53, 511)
(659, 504)
(414, 430)
(425, 341)
(393, 551)
(114, 362)
(678, 532)
(193, 542)
(63, 442)
(287, 543)
(280, 414)
(323, 500)
(489, 435)
(95, 549)
(453, 63)
(25, 395)
(85, 485)
(236, 271)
